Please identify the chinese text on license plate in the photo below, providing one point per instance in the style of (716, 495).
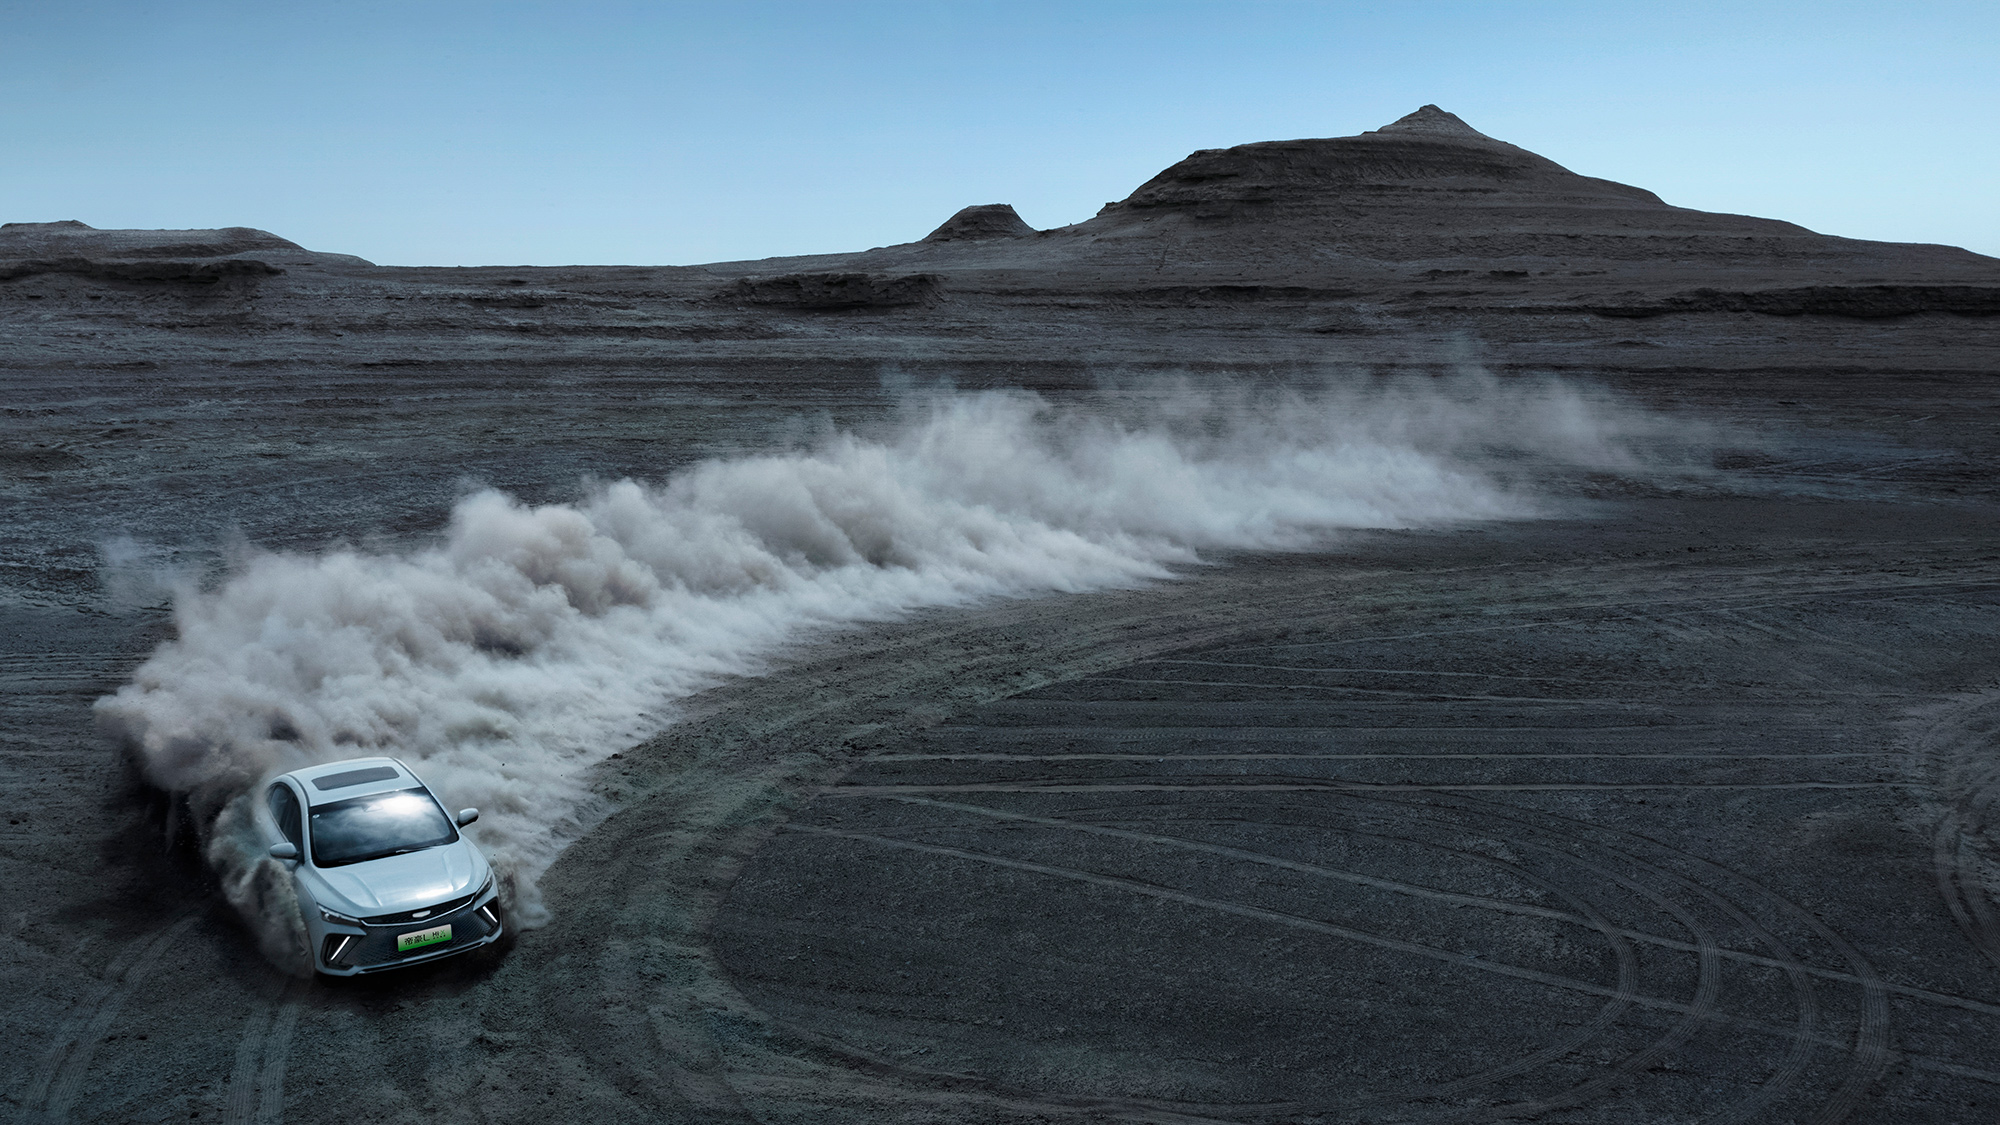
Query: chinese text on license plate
(407, 942)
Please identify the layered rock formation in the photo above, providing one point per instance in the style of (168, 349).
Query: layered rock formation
(981, 222)
(198, 256)
(73, 239)
(1422, 240)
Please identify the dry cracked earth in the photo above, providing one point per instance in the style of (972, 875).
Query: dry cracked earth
(1677, 806)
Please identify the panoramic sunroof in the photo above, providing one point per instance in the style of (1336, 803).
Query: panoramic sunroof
(354, 777)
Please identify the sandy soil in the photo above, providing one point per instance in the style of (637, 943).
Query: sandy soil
(1677, 807)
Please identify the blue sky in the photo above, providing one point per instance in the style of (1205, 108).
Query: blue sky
(544, 133)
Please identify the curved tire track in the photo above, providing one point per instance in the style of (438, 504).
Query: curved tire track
(1700, 1010)
(1592, 595)
(58, 1080)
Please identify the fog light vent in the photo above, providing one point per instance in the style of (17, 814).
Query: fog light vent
(335, 947)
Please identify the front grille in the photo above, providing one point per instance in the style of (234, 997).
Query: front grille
(409, 916)
(378, 949)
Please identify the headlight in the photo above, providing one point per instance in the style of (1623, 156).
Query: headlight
(339, 919)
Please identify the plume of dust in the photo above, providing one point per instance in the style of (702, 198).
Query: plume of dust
(532, 642)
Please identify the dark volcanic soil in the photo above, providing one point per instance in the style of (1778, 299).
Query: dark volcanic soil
(1678, 808)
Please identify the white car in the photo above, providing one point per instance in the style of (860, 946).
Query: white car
(384, 877)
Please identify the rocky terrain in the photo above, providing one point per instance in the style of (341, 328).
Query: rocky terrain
(1676, 806)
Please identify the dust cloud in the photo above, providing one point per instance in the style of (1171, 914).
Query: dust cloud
(529, 643)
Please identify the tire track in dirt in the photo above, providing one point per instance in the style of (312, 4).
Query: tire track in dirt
(256, 1093)
(1582, 914)
(1618, 996)
(1792, 632)
(1699, 1010)
(1957, 867)
(1944, 999)
(1870, 1047)
(1802, 1037)
(1777, 583)
(1958, 745)
(715, 786)
(1134, 886)
(1785, 1075)
(58, 1080)
(1455, 898)
(1871, 1037)
(1705, 948)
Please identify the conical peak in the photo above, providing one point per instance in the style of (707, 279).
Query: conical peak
(1428, 154)
(1430, 121)
(981, 222)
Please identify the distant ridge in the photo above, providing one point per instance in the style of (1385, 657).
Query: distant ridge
(75, 247)
(1418, 243)
(70, 237)
(1422, 203)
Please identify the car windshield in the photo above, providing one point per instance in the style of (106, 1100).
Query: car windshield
(362, 828)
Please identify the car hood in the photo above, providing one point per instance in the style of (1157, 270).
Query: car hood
(409, 881)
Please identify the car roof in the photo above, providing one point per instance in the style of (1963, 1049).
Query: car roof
(352, 777)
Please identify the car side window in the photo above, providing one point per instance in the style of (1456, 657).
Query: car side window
(285, 810)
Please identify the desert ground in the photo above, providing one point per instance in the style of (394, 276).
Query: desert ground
(1674, 804)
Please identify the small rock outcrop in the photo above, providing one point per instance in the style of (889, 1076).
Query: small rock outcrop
(980, 223)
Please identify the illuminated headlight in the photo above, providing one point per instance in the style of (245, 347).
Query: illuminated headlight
(339, 919)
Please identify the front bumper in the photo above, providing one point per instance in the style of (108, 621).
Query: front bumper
(346, 951)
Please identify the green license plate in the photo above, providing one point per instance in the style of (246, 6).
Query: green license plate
(407, 942)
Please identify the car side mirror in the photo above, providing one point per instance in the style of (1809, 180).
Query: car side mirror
(467, 816)
(286, 850)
